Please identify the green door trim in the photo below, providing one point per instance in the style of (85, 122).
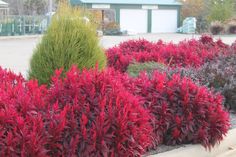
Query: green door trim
(149, 23)
(118, 7)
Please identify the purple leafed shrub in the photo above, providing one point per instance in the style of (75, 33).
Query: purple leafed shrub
(221, 75)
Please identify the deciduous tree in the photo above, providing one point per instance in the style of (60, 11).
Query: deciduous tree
(35, 7)
(221, 10)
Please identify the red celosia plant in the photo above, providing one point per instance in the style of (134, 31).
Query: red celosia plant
(88, 113)
(185, 113)
(92, 113)
(137, 46)
(192, 53)
(22, 130)
(100, 117)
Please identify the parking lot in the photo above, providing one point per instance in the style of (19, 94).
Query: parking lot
(15, 52)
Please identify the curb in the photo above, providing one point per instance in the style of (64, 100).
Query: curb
(20, 37)
(224, 149)
(230, 153)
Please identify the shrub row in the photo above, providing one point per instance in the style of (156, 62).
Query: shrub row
(218, 74)
(85, 114)
(184, 112)
(192, 53)
(92, 113)
(217, 27)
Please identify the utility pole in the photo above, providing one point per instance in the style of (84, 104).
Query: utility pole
(50, 9)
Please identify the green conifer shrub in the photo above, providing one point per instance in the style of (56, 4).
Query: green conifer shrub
(69, 40)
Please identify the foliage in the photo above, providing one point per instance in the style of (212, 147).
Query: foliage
(85, 114)
(192, 53)
(194, 8)
(92, 113)
(121, 56)
(15, 7)
(30, 7)
(231, 27)
(221, 10)
(198, 9)
(221, 75)
(96, 17)
(218, 74)
(207, 11)
(22, 107)
(111, 26)
(185, 113)
(216, 28)
(108, 119)
(35, 7)
(202, 24)
(69, 40)
(141, 45)
(148, 67)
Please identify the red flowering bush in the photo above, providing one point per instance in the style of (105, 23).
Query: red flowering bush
(92, 113)
(22, 130)
(140, 45)
(102, 117)
(192, 53)
(88, 113)
(184, 112)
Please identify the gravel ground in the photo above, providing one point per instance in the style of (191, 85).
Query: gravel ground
(162, 149)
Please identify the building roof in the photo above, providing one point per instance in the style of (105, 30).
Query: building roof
(147, 2)
(3, 4)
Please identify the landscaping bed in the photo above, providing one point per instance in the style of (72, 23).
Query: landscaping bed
(150, 113)
(80, 101)
(137, 56)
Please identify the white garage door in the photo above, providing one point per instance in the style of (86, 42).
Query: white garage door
(164, 21)
(133, 20)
